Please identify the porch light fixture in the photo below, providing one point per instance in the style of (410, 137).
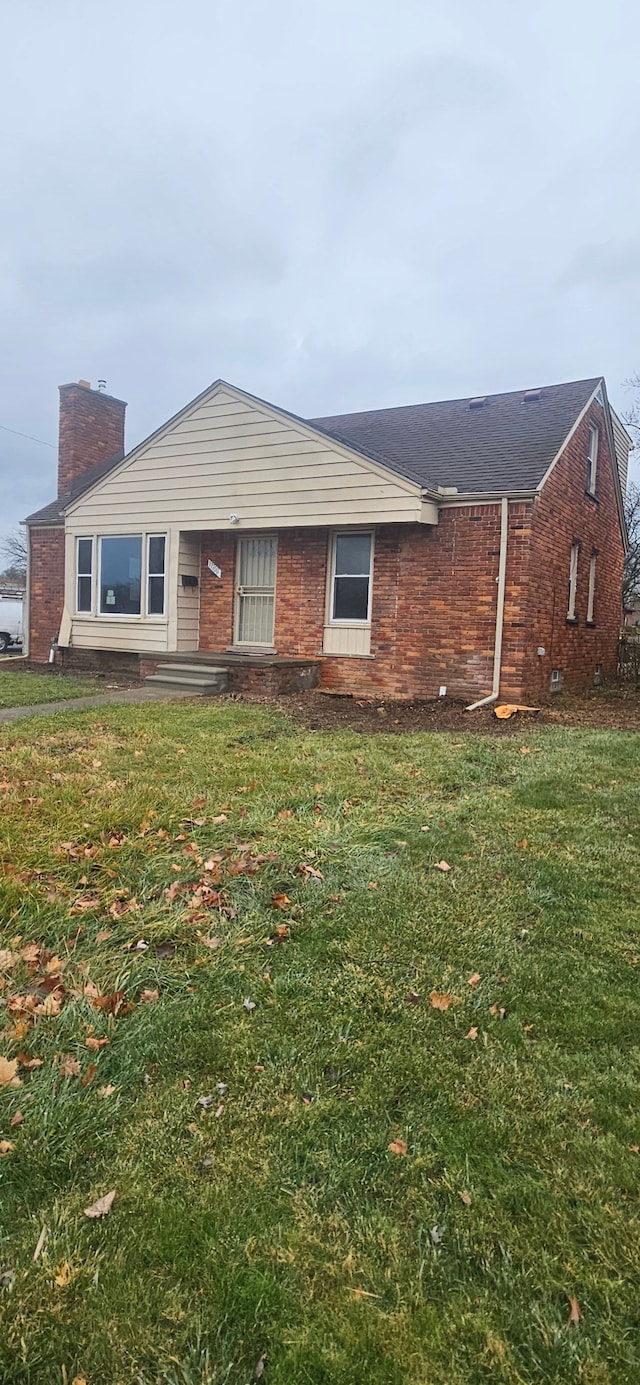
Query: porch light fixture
(234, 519)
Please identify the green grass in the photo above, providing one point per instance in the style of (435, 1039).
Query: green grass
(305, 1237)
(19, 689)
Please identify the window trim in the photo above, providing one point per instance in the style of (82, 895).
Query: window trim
(593, 561)
(87, 611)
(330, 618)
(594, 448)
(155, 615)
(573, 581)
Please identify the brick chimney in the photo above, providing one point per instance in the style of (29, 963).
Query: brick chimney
(91, 430)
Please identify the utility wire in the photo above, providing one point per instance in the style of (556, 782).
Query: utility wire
(25, 435)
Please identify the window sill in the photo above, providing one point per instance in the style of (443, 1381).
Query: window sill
(591, 625)
(571, 620)
(591, 495)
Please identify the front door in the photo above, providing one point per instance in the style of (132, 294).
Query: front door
(255, 588)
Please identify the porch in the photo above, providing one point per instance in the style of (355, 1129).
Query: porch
(252, 675)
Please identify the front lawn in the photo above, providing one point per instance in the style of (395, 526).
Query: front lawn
(23, 689)
(377, 1118)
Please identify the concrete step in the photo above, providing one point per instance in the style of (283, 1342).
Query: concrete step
(201, 669)
(209, 684)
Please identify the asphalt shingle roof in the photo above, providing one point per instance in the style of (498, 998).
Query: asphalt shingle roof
(505, 445)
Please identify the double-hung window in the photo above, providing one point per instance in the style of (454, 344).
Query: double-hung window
(84, 575)
(594, 439)
(350, 596)
(573, 581)
(592, 589)
(156, 549)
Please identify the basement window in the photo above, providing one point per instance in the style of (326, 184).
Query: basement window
(84, 575)
(556, 680)
(597, 675)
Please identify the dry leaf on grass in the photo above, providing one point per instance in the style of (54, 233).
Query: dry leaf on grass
(280, 901)
(29, 1063)
(576, 1311)
(465, 1196)
(8, 1070)
(211, 943)
(106, 1091)
(95, 1044)
(6, 1147)
(440, 1000)
(104, 933)
(68, 1065)
(258, 1370)
(148, 997)
(397, 1147)
(442, 865)
(88, 1075)
(63, 1276)
(475, 979)
(16, 1120)
(8, 959)
(472, 1034)
(102, 1206)
(498, 1010)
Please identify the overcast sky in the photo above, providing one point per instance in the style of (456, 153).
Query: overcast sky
(340, 205)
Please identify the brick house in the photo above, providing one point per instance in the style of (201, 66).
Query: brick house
(474, 545)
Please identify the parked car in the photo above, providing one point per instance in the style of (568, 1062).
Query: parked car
(10, 622)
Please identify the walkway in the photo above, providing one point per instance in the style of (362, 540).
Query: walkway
(143, 694)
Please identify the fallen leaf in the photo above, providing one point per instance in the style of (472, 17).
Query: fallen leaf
(465, 1196)
(211, 943)
(472, 1034)
(248, 1005)
(440, 1001)
(8, 959)
(576, 1311)
(523, 844)
(442, 865)
(102, 1206)
(6, 1147)
(222, 817)
(8, 1070)
(172, 891)
(220, 1111)
(498, 1010)
(95, 1044)
(413, 998)
(258, 1370)
(50, 1006)
(106, 1091)
(148, 997)
(63, 1276)
(285, 813)
(104, 933)
(68, 1065)
(436, 1233)
(397, 1147)
(16, 1120)
(475, 979)
(31, 953)
(40, 1243)
(280, 901)
(88, 1075)
(110, 1004)
(206, 1102)
(26, 1062)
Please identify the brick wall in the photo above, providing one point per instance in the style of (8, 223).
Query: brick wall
(564, 514)
(91, 430)
(46, 598)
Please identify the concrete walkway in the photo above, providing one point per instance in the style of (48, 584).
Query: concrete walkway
(143, 694)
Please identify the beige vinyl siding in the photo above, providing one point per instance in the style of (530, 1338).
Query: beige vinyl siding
(231, 455)
(188, 612)
(351, 640)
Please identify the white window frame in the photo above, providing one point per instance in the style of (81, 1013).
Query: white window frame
(594, 444)
(155, 615)
(122, 615)
(592, 588)
(555, 683)
(573, 580)
(349, 533)
(85, 538)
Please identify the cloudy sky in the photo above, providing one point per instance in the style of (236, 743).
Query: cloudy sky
(336, 206)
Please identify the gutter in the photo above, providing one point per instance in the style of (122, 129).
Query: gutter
(501, 579)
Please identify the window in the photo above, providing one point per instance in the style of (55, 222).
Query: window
(556, 680)
(156, 545)
(351, 578)
(84, 574)
(573, 581)
(594, 438)
(592, 589)
(120, 575)
(597, 675)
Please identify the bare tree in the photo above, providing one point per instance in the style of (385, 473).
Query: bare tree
(14, 550)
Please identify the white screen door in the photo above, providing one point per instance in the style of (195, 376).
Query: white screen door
(256, 579)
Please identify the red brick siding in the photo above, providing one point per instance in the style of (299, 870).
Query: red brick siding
(217, 593)
(91, 430)
(564, 514)
(46, 587)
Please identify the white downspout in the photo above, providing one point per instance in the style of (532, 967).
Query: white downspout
(502, 573)
(26, 604)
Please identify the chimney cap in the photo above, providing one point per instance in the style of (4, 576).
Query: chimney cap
(86, 384)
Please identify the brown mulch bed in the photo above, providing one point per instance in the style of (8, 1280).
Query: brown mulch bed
(608, 709)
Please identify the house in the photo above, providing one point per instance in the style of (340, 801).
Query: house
(473, 546)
